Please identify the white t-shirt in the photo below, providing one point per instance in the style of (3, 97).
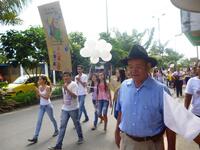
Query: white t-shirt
(70, 103)
(44, 101)
(81, 89)
(193, 88)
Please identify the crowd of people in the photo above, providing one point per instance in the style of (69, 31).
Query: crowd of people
(174, 78)
(74, 93)
(137, 102)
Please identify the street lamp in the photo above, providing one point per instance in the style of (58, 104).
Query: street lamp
(107, 17)
(175, 37)
(158, 26)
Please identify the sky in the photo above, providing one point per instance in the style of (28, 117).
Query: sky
(89, 17)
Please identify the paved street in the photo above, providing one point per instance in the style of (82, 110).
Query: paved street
(16, 127)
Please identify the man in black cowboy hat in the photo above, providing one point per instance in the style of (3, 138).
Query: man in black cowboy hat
(140, 124)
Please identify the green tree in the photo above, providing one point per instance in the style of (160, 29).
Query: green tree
(10, 10)
(2, 59)
(165, 56)
(172, 56)
(156, 52)
(27, 48)
(185, 62)
(123, 42)
(77, 41)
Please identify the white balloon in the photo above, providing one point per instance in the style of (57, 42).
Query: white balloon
(104, 54)
(96, 49)
(94, 53)
(85, 52)
(108, 58)
(102, 42)
(108, 47)
(94, 60)
(90, 44)
(101, 45)
(82, 52)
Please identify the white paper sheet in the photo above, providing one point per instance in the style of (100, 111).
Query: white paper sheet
(179, 119)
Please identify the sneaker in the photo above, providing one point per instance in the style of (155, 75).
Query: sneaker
(86, 120)
(55, 134)
(93, 128)
(33, 140)
(80, 141)
(54, 148)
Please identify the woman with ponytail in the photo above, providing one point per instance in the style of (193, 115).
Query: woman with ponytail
(44, 92)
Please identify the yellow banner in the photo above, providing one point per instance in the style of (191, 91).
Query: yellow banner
(56, 37)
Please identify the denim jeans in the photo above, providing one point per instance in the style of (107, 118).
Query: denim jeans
(49, 110)
(65, 115)
(81, 99)
(95, 113)
(102, 107)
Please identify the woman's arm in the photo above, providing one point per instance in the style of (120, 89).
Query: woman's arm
(110, 97)
(48, 93)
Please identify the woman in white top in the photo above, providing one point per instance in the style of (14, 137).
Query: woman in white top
(44, 92)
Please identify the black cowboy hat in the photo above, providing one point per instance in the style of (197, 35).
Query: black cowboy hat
(138, 51)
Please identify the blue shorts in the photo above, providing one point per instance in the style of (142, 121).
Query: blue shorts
(102, 107)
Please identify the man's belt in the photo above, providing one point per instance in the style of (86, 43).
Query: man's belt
(147, 138)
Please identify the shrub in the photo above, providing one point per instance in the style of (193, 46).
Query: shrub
(60, 82)
(2, 84)
(7, 105)
(26, 98)
(57, 91)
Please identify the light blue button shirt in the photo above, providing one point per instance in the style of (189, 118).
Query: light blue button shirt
(142, 108)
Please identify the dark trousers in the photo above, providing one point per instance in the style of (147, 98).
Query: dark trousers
(186, 79)
(178, 86)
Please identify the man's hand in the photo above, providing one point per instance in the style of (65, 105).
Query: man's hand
(197, 139)
(65, 86)
(171, 139)
(78, 79)
(117, 137)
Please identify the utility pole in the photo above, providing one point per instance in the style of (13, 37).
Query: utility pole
(107, 29)
(158, 26)
(159, 32)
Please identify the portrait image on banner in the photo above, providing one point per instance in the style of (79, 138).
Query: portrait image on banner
(56, 37)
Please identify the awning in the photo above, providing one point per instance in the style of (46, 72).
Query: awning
(188, 5)
(194, 37)
(190, 23)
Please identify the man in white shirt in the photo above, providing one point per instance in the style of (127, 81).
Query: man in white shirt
(81, 80)
(192, 92)
(70, 108)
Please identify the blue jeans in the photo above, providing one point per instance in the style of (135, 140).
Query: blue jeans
(81, 99)
(49, 110)
(95, 113)
(102, 107)
(65, 115)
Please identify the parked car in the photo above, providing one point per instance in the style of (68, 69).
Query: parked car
(20, 85)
